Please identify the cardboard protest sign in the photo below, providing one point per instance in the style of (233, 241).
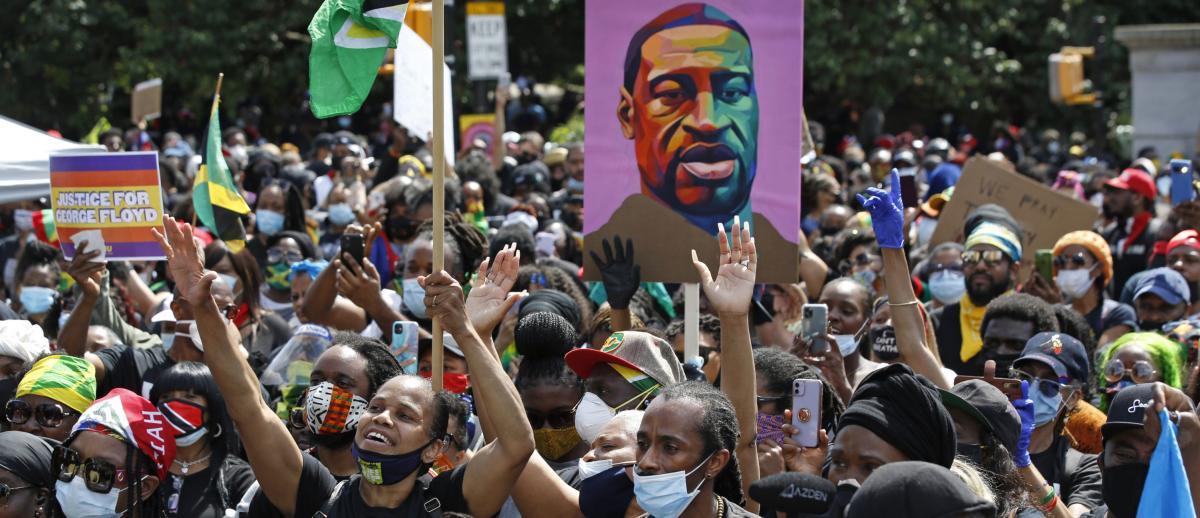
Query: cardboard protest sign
(147, 100)
(477, 126)
(115, 196)
(1043, 213)
(699, 122)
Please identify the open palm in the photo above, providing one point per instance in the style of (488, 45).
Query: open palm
(733, 288)
(490, 299)
(183, 259)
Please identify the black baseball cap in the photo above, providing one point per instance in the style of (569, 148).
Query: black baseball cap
(1060, 352)
(1128, 409)
(988, 405)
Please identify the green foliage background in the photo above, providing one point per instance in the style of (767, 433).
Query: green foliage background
(64, 63)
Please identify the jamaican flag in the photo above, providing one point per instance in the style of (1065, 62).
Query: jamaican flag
(349, 41)
(217, 201)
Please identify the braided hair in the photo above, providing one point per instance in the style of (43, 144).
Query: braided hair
(718, 427)
(468, 243)
(543, 338)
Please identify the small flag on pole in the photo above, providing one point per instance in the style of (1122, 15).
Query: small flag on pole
(216, 199)
(349, 41)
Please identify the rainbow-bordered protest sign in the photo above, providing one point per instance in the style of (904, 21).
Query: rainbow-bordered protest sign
(116, 194)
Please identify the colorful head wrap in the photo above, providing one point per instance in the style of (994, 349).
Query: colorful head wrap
(131, 419)
(70, 380)
(1094, 244)
(309, 266)
(988, 233)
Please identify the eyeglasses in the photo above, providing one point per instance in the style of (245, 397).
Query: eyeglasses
(6, 490)
(1079, 260)
(1048, 388)
(868, 260)
(556, 419)
(275, 254)
(991, 257)
(98, 475)
(1142, 372)
(49, 415)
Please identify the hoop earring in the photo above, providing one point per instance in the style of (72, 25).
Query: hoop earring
(219, 431)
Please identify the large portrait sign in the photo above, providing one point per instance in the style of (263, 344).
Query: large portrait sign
(693, 120)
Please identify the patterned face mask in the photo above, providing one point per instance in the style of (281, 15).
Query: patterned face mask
(329, 409)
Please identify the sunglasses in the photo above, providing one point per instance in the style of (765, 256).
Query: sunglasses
(98, 475)
(1048, 388)
(868, 260)
(952, 267)
(991, 257)
(556, 419)
(1142, 372)
(1079, 260)
(780, 401)
(6, 490)
(274, 255)
(49, 415)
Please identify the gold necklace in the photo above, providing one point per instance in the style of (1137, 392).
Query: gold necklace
(720, 507)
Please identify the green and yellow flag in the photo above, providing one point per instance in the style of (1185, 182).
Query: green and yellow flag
(93, 137)
(349, 41)
(215, 197)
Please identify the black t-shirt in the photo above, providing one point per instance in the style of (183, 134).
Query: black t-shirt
(1077, 474)
(948, 331)
(131, 368)
(194, 495)
(317, 486)
(1110, 314)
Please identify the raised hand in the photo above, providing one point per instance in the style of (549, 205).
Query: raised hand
(621, 274)
(798, 458)
(86, 272)
(490, 299)
(887, 213)
(183, 259)
(360, 284)
(444, 302)
(1024, 408)
(733, 289)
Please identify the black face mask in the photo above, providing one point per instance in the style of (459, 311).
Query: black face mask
(1003, 361)
(401, 228)
(607, 493)
(830, 231)
(972, 452)
(1150, 326)
(1122, 488)
(883, 343)
(334, 441)
(525, 158)
(8, 387)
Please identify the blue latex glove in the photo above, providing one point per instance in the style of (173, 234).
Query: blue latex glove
(1024, 408)
(887, 213)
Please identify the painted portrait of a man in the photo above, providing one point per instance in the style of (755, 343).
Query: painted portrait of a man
(685, 151)
(689, 105)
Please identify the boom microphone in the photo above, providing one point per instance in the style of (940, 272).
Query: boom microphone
(793, 493)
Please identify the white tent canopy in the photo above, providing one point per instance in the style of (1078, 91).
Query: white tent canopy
(25, 160)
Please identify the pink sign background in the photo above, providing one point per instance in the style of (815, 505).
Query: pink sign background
(776, 29)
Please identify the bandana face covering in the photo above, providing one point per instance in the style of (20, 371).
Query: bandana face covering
(330, 410)
(452, 382)
(554, 443)
(277, 276)
(187, 418)
(770, 426)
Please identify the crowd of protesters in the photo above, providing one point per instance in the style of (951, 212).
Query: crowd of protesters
(278, 378)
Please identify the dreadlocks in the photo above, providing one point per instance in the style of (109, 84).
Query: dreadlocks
(467, 242)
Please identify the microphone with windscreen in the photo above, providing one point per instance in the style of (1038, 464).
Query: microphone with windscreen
(795, 494)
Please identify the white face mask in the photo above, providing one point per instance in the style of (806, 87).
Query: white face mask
(846, 344)
(1074, 283)
(192, 333)
(590, 469)
(414, 297)
(591, 415)
(77, 501)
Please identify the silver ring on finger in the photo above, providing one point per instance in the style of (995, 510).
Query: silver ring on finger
(745, 262)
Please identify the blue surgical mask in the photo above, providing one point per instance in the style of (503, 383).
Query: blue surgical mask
(1045, 408)
(947, 286)
(925, 228)
(268, 221)
(847, 345)
(414, 297)
(574, 185)
(229, 280)
(340, 214)
(36, 300)
(665, 495)
(865, 277)
(168, 339)
(77, 501)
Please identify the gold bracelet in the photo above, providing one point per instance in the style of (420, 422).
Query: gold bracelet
(899, 304)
